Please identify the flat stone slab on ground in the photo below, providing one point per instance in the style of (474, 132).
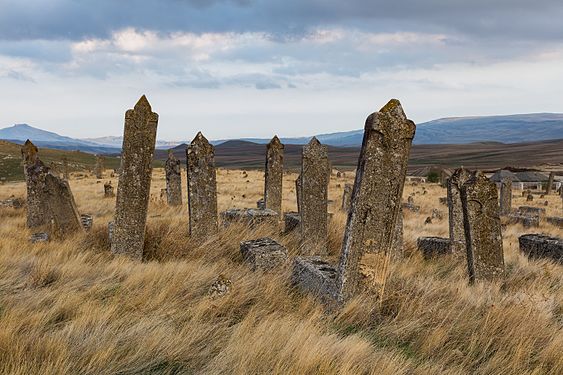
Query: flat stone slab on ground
(526, 221)
(39, 237)
(434, 246)
(311, 274)
(250, 216)
(529, 210)
(263, 253)
(542, 246)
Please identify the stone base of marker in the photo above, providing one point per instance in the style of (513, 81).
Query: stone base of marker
(554, 220)
(315, 276)
(526, 221)
(291, 221)
(263, 254)
(541, 246)
(531, 211)
(434, 246)
(87, 221)
(39, 237)
(250, 216)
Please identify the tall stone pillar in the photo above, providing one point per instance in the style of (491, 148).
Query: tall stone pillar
(273, 178)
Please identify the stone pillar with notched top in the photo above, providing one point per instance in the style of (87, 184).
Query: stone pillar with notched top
(133, 189)
(481, 221)
(273, 177)
(202, 188)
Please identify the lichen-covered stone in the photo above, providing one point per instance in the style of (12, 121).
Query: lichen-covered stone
(526, 220)
(347, 196)
(273, 177)
(549, 183)
(64, 215)
(263, 254)
(554, 220)
(292, 220)
(108, 190)
(481, 220)
(433, 246)
(202, 188)
(314, 194)
(250, 216)
(39, 237)
(35, 172)
(376, 198)
(506, 197)
(315, 276)
(66, 173)
(531, 211)
(455, 210)
(99, 168)
(542, 246)
(133, 189)
(173, 180)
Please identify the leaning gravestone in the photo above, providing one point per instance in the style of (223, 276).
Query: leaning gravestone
(505, 197)
(455, 209)
(35, 172)
(542, 246)
(314, 194)
(481, 221)
(374, 208)
(99, 169)
(273, 178)
(133, 189)
(202, 188)
(173, 180)
(65, 218)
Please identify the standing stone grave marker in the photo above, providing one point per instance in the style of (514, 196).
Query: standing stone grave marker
(506, 197)
(133, 189)
(173, 180)
(549, 183)
(35, 172)
(273, 178)
(455, 209)
(99, 169)
(346, 196)
(202, 188)
(65, 218)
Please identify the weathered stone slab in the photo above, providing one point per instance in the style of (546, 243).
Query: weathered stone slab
(173, 180)
(133, 190)
(455, 210)
(250, 216)
(542, 246)
(66, 173)
(554, 220)
(549, 185)
(525, 220)
(39, 237)
(485, 258)
(506, 197)
(531, 211)
(108, 190)
(314, 189)
(315, 276)
(202, 188)
(433, 246)
(65, 218)
(99, 168)
(87, 221)
(292, 220)
(263, 254)
(273, 177)
(376, 197)
(347, 196)
(35, 172)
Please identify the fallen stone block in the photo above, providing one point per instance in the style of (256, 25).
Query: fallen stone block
(433, 246)
(529, 210)
(39, 237)
(554, 220)
(541, 246)
(412, 207)
(250, 216)
(313, 275)
(292, 220)
(526, 221)
(263, 254)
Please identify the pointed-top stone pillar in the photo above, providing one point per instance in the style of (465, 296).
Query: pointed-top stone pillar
(273, 177)
(314, 193)
(481, 221)
(455, 217)
(202, 188)
(376, 196)
(173, 180)
(133, 190)
(35, 172)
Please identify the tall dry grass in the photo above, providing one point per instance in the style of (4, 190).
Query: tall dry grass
(70, 307)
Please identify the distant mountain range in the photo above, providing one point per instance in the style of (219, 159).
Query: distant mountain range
(454, 130)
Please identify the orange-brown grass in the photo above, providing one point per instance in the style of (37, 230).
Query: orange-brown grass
(70, 307)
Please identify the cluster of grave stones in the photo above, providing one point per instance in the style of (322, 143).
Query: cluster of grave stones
(373, 204)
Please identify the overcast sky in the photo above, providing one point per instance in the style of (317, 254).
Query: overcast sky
(236, 68)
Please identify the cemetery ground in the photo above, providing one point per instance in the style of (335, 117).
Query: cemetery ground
(70, 307)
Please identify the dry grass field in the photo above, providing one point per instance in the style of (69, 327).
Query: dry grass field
(70, 307)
